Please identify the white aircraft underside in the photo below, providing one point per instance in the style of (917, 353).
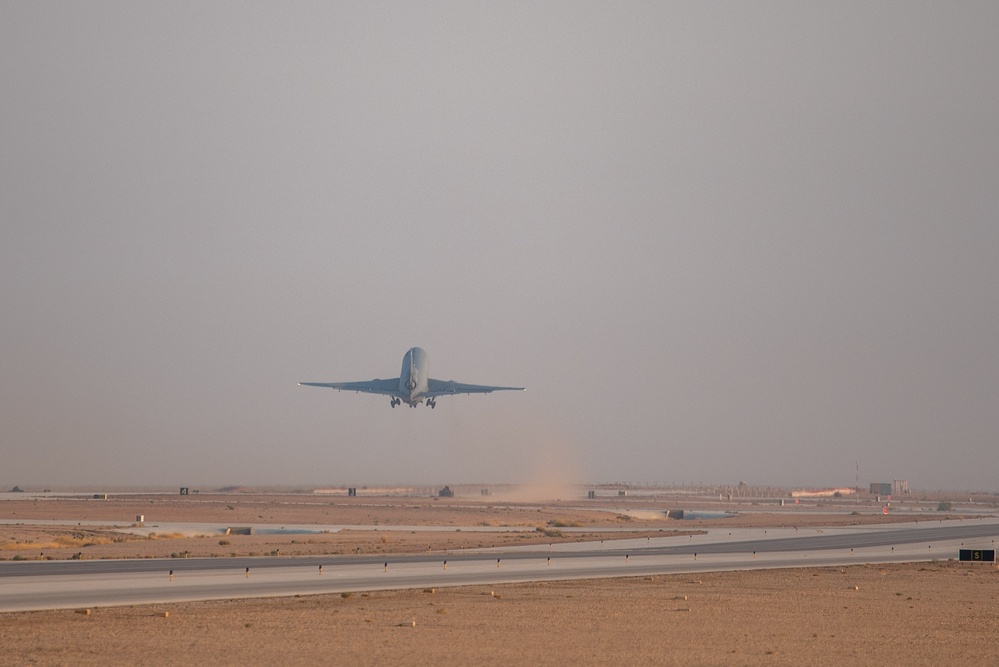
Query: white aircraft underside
(414, 384)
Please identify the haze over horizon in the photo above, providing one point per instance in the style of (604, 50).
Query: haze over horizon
(716, 242)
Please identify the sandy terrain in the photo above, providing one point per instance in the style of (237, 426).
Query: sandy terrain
(919, 614)
(543, 525)
(546, 522)
(922, 614)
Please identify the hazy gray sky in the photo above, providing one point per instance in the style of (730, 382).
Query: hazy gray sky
(716, 241)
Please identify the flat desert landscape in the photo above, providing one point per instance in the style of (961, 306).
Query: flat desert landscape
(940, 612)
(371, 523)
(919, 614)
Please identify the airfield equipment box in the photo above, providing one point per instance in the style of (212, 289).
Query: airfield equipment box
(978, 555)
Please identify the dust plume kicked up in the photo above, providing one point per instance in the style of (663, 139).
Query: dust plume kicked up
(551, 472)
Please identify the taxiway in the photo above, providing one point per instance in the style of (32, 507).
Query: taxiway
(32, 585)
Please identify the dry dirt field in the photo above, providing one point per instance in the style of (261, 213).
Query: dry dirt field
(920, 614)
(545, 523)
(916, 614)
(542, 522)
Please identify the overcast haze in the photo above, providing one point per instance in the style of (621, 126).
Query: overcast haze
(716, 241)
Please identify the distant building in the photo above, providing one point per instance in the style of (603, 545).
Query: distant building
(897, 487)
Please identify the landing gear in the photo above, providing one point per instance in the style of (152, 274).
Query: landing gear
(395, 402)
(432, 403)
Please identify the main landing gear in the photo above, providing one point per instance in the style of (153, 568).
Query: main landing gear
(432, 403)
(395, 402)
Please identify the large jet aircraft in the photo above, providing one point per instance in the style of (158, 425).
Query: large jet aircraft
(414, 384)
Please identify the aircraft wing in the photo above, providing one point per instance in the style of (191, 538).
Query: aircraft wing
(387, 387)
(445, 387)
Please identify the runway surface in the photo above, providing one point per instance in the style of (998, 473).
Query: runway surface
(31, 585)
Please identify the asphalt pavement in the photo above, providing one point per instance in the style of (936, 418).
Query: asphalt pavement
(30, 585)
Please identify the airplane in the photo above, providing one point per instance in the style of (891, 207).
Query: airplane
(414, 384)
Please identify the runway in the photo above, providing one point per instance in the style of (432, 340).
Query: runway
(33, 585)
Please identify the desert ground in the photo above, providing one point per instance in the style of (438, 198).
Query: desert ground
(368, 521)
(918, 614)
(921, 613)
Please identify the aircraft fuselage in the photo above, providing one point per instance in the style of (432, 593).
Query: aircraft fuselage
(413, 379)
